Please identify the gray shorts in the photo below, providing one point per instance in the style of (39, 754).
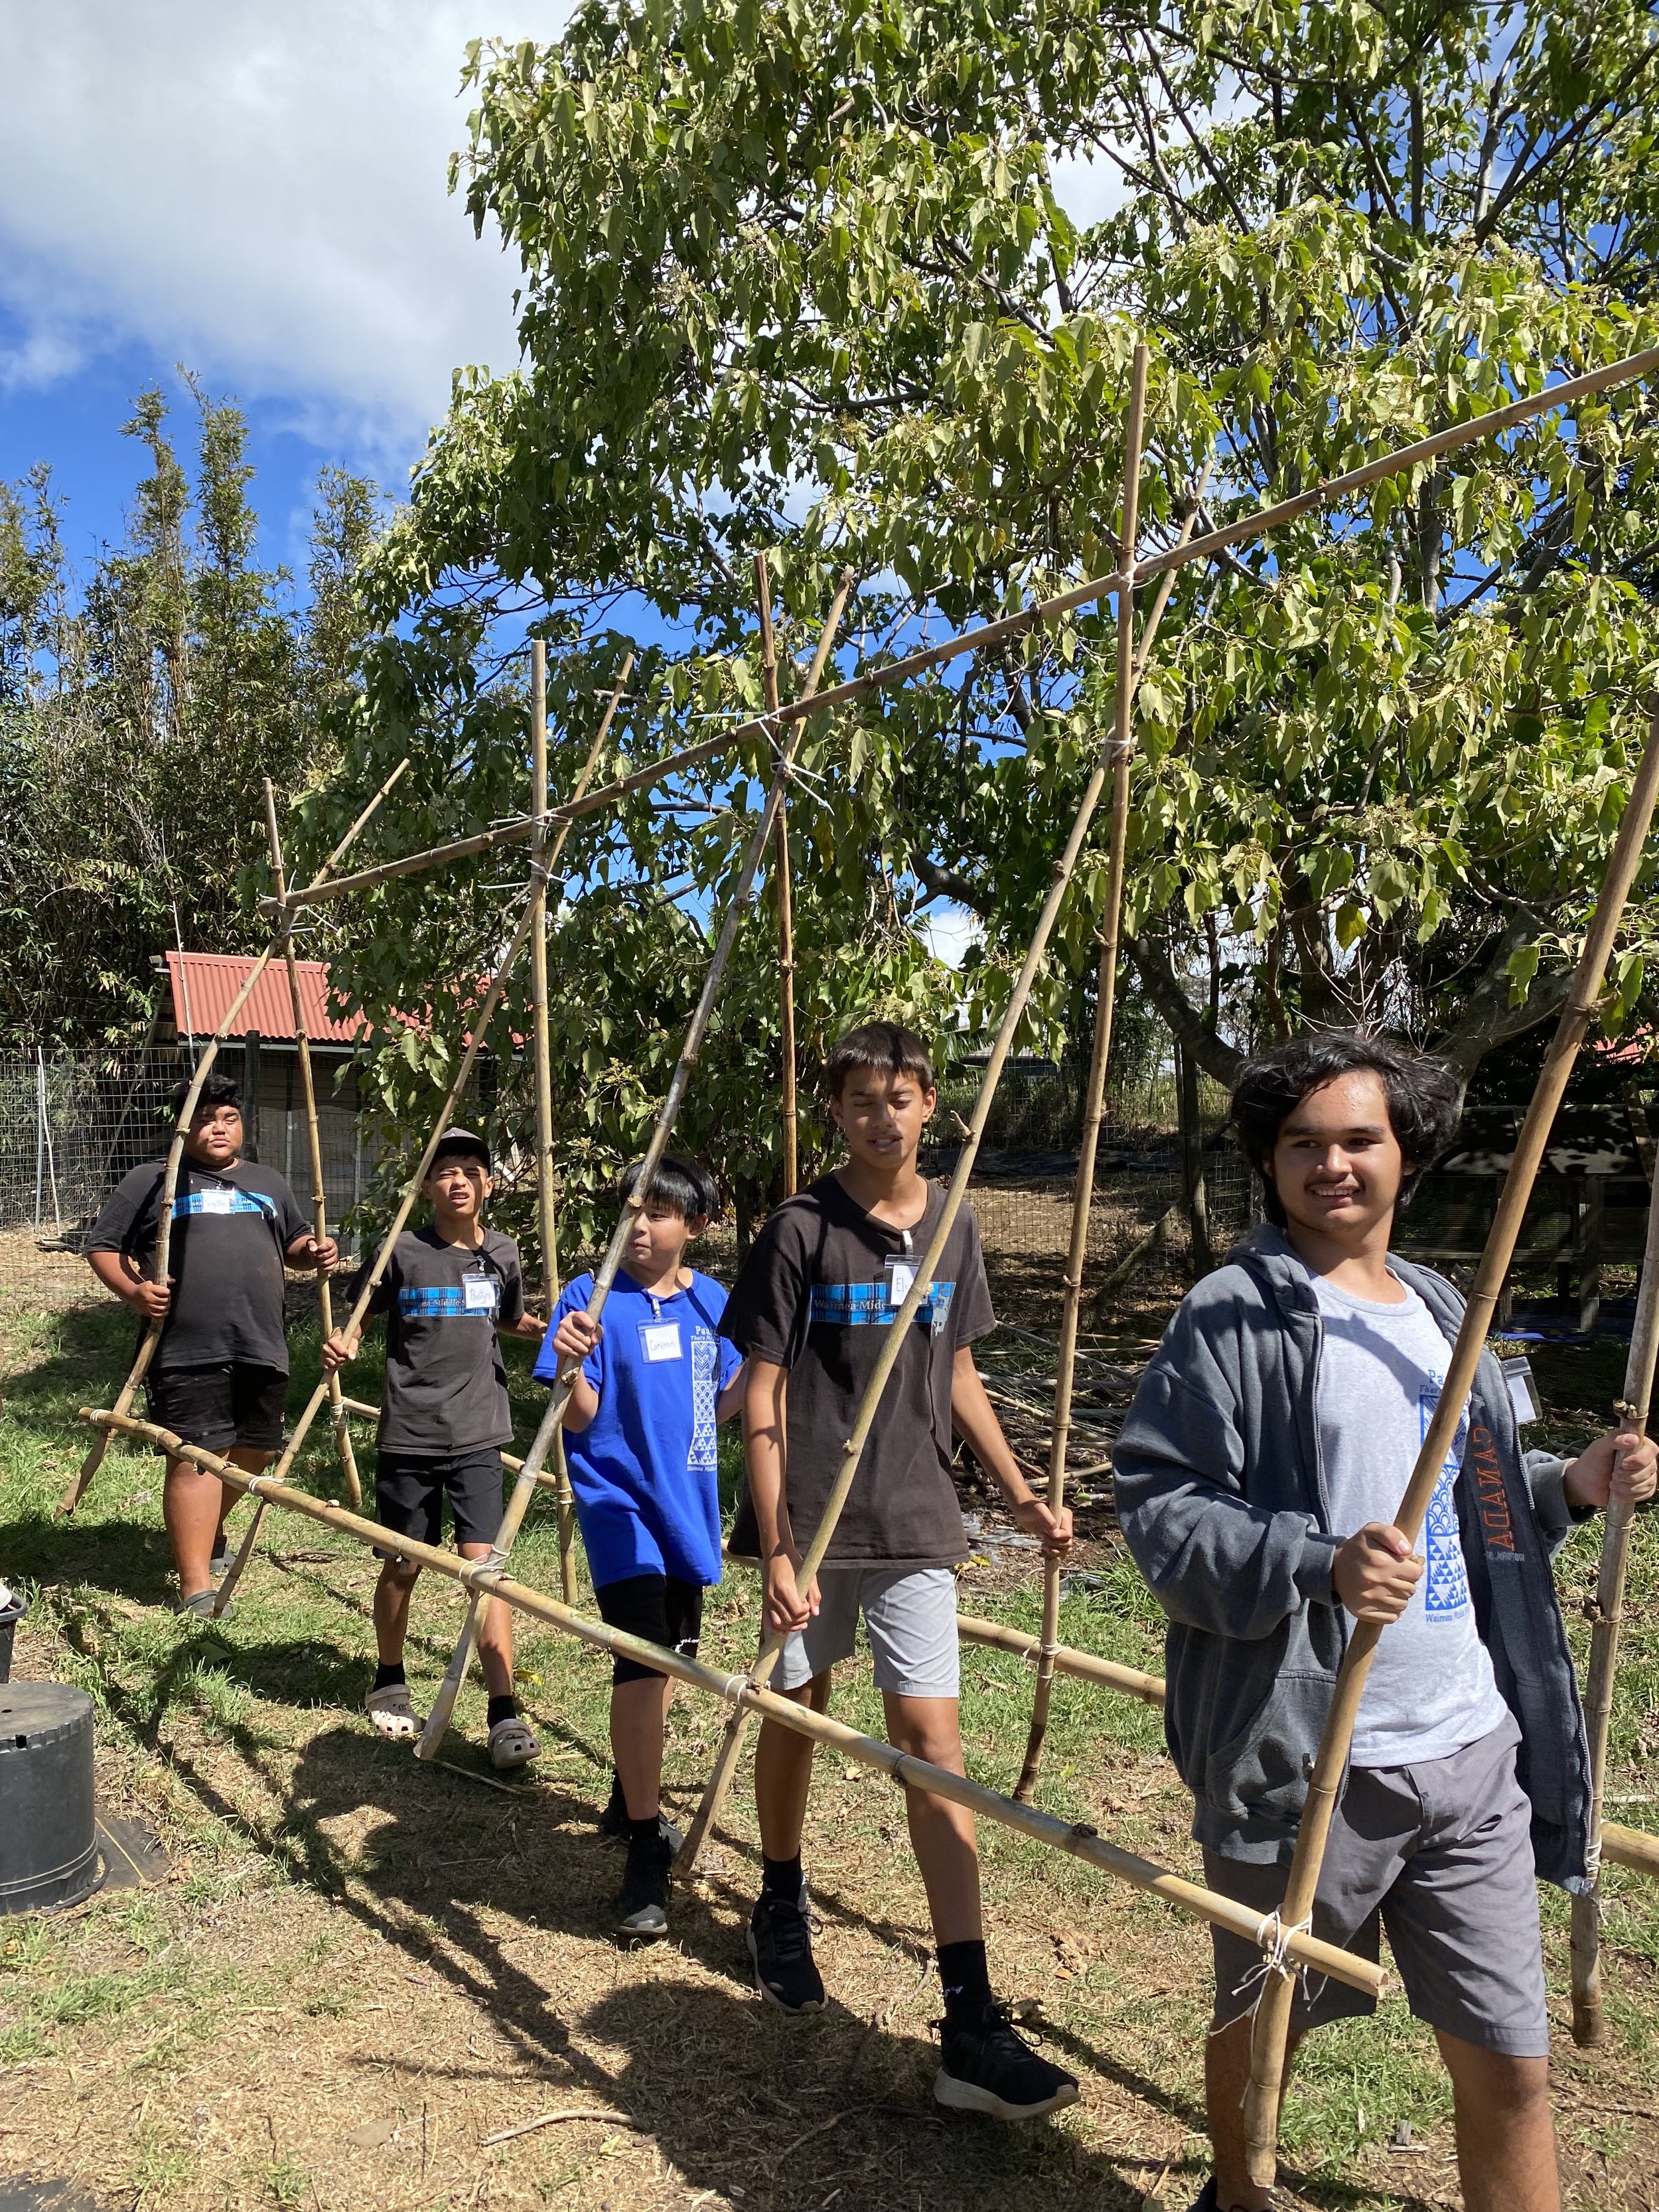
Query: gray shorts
(1441, 1854)
(909, 1616)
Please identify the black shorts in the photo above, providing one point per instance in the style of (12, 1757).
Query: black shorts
(228, 1403)
(410, 1488)
(661, 1608)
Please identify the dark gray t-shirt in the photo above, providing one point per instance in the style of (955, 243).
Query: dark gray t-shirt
(230, 1230)
(816, 1295)
(446, 1388)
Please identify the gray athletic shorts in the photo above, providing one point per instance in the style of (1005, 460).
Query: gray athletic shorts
(1441, 1854)
(909, 1616)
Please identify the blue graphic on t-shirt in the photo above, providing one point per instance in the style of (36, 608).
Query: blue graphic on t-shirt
(441, 1302)
(219, 1200)
(1445, 1579)
(869, 1305)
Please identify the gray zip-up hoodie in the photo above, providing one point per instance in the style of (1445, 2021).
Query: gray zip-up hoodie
(1222, 1499)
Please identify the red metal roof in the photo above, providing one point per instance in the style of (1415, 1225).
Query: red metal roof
(205, 983)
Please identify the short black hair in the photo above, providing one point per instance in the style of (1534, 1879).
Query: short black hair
(683, 1186)
(1425, 1098)
(217, 1090)
(887, 1046)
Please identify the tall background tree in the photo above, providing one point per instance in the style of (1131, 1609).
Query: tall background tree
(139, 712)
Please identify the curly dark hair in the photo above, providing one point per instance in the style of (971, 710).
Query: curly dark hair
(1425, 1098)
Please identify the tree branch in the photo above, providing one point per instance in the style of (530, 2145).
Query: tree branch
(1187, 1026)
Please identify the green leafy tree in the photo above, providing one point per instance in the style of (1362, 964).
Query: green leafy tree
(139, 717)
(805, 281)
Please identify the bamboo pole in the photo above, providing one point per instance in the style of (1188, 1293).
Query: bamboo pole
(1273, 2013)
(1082, 1666)
(546, 1216)
(314, 1142)
(1630, 1848)
(152, 1337)
(1079, 1840)
(524, 1489)
(1094, 1102)
(1328, 492)
(725, 1762)
(786, 905)
(411, 1192)
(1607, 1613)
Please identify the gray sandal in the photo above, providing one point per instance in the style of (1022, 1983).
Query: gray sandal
(200, 1605)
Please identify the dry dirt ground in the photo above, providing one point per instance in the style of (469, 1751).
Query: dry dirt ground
(359, 1970)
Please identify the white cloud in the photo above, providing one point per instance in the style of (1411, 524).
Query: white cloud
(259, 190)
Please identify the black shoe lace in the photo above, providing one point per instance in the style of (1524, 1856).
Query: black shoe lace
(790, 1929)
(997, 2021)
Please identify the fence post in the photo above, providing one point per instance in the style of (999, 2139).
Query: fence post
(39, 1132)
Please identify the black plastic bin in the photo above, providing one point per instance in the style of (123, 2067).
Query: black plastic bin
(48, 1829)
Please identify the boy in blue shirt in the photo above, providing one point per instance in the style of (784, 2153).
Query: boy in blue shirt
(657, 1376)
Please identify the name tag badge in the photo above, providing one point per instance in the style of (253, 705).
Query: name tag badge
(660, 1341)
(901, 1274)
(216, 1201)
(478, 1293)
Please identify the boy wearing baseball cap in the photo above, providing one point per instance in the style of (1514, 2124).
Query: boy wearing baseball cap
(448, 1288)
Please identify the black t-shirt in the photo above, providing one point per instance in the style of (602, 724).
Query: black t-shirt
(816, 1295)
(446, 1388)
(230, 1230)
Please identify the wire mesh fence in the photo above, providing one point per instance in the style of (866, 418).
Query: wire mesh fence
(72, 1125)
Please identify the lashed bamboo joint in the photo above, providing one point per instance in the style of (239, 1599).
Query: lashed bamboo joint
(1078, 1840)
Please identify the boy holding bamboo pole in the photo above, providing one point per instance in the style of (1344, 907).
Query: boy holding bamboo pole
(448, 1288)
(220, 1375)
(1256, 1475)
(809, 1312)
(657, 1379)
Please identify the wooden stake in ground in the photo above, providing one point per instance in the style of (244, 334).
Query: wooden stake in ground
(1079, 1841)
(1606, 1619)
(524, 1489)
(786, 905)
(719, 1785)
(546, 1217)
(152, 1337)
(1095, 1100)
(1273, 2013)
(314, 1142)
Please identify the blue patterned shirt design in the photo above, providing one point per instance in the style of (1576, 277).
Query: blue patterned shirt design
(1446, 1576)
(215, 1201)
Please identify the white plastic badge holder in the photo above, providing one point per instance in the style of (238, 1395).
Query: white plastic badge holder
(1523, 1393)
(216, 1198)
(478, 1293)
(660, 1341)
(901, 1272)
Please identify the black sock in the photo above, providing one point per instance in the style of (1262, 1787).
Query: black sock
(388, 1671)
(781, 1878)
(967, 1980)
(644, 1832)
(503, 1708)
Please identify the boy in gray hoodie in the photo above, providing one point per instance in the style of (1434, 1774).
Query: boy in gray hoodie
(1269, 1445)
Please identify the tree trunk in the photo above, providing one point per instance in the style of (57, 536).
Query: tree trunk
(1193, 1197)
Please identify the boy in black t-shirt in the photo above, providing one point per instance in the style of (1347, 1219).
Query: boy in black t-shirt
(447, 1291)
(220, 1376)
(810, 1313)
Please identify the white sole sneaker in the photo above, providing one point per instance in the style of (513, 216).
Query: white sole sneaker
(968, 2097)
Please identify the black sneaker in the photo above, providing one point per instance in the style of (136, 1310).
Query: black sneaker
(1206, 2200)
(642, 1908)
(989, 2067)
(781, 1946)
(219, 1564)
(614, 1822)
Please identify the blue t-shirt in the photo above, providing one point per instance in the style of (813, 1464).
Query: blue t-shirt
(644, 1472)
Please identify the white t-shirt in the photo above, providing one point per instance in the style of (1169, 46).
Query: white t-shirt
(1430, 1689)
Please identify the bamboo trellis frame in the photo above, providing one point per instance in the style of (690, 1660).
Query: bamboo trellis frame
(314, 1145)
(524, 1489)
(1282, 1942)
(481, 1577)
(788, 1109)
(1607, 1612)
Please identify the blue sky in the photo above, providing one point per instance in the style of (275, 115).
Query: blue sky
(260, 194)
